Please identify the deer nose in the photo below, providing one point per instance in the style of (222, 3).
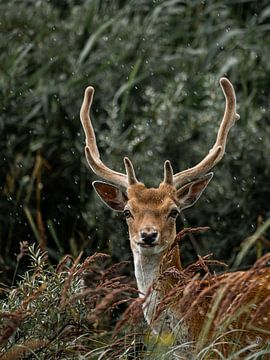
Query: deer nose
(148, 236)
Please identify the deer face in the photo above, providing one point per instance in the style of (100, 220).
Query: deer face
(151, 216)
(151, 213)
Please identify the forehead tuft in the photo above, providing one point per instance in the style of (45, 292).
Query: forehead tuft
(155, 196)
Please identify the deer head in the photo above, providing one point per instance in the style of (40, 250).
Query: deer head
(151, 212)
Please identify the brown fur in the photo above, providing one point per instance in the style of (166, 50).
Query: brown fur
(150, 208)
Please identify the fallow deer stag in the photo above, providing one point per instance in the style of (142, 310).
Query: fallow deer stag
(151, 216)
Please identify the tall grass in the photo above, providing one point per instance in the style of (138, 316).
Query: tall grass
(85, 309)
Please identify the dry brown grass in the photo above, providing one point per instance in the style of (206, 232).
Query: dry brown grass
(75, 305)
(233, 305)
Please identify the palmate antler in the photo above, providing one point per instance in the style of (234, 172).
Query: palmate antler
(179, 179)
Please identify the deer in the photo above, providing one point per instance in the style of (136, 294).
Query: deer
(151, 215)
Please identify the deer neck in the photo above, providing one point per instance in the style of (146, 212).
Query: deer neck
(148, 269)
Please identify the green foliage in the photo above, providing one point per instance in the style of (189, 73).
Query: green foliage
(155, 66)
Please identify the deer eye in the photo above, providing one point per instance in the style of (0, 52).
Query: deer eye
(174, 213)
(127, 214)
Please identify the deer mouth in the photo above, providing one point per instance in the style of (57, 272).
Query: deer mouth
(146, 245)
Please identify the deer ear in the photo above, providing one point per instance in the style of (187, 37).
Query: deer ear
(113, 197)
(190, 193)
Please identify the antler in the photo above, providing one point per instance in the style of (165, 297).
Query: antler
(92, 153)
(179, 179)
(218, 150)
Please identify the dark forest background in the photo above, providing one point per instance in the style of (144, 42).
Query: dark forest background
(155, 66)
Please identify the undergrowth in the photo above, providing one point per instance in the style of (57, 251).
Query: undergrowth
(88, 310)
(52, 313)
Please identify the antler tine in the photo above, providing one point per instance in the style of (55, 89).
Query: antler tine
(218, 150)
(91, 149)
(168, 173)
(132, 180)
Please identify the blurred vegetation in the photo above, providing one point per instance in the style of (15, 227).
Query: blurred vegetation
(155, 66)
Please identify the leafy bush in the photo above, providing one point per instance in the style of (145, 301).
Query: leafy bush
(155, 66)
